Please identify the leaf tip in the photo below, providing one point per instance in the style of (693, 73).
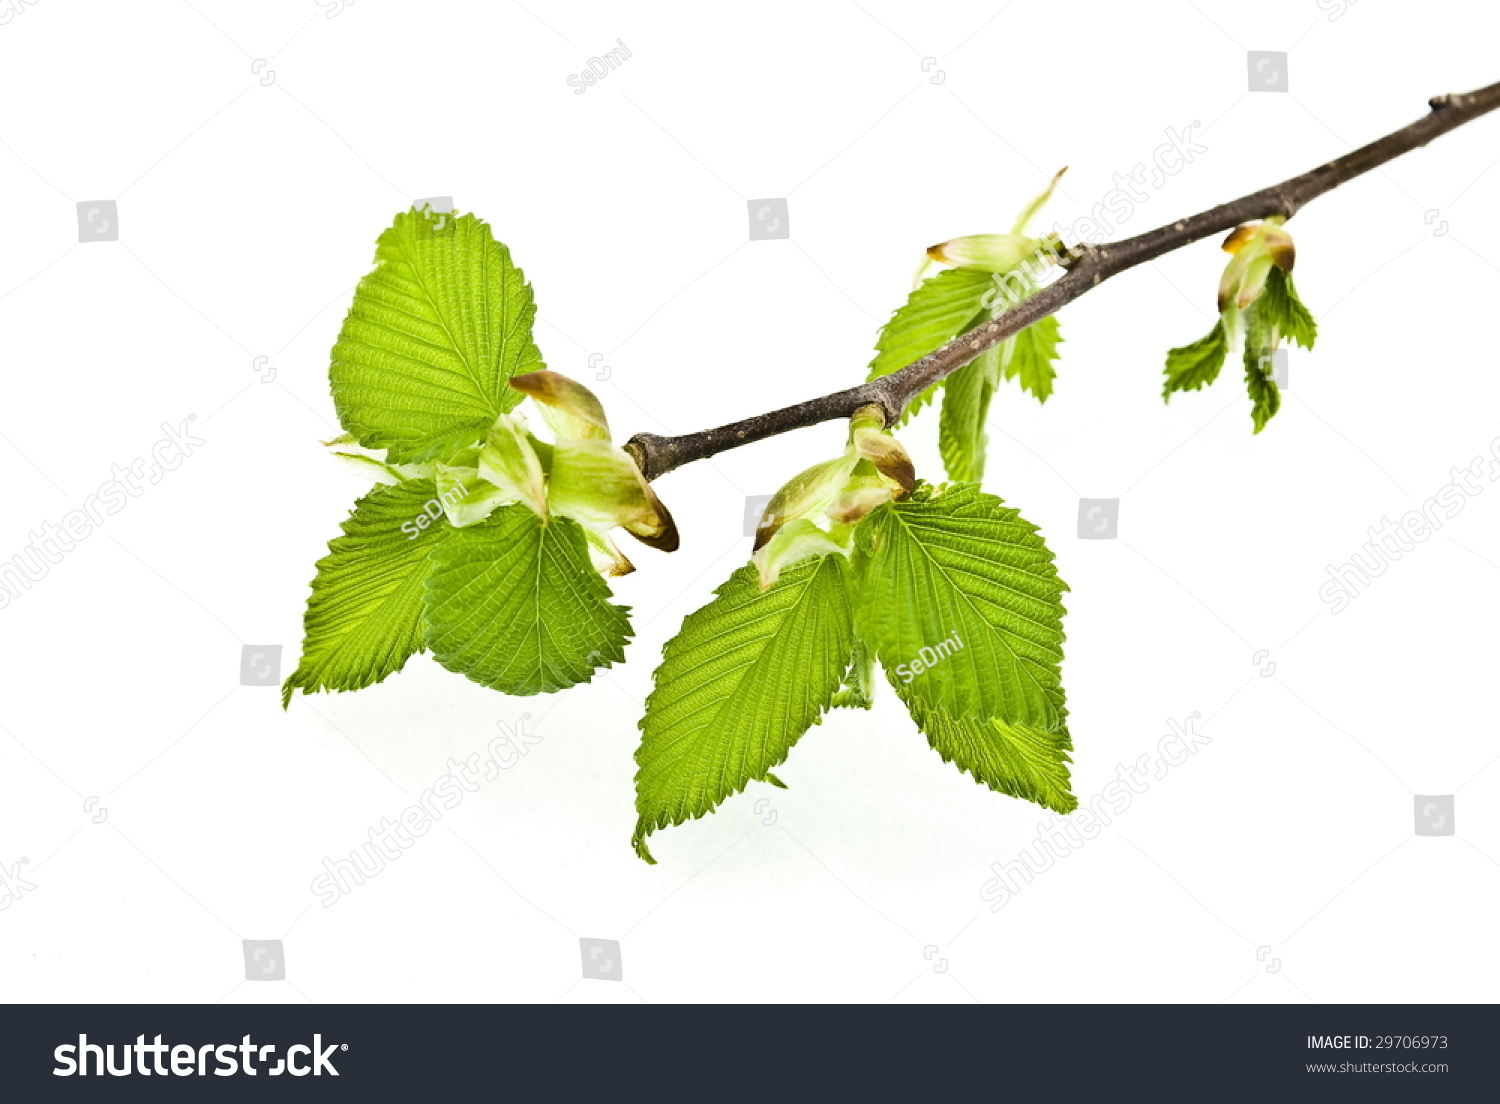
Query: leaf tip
(638, 843)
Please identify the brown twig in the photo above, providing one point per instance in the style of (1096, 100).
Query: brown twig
(1090, 266)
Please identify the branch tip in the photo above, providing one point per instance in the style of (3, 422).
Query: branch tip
(1086, 266)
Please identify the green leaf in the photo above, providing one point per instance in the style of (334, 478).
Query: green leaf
(1031, 355)
(1281, 308)
(1265, 396)
(859, 684)
(748, 674)
(1260, 342)
(958, 565)
(966, 406)
(1025, 762)
(1026, 357)
(514, 604)
(364, 618)
(1190, 367)
(940, 308)
(435, 332)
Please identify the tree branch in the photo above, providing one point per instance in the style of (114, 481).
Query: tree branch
(1088, 267)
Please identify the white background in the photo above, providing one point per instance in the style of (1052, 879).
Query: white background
(247, 212)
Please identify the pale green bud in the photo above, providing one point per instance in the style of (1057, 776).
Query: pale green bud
(598, 485)
(466, 496)
(991, 252)
(870, 441)
(795, 541)
(588, 478)
(998, 253)
(508, 462)
(806, 494)
(605, 556)
(815, 512)
(569, 408)
(1256, 249)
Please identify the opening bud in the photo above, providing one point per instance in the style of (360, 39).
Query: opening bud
(998, 253)
(794, 542)
(813, 514)
(1256, 248)
(569, 408)
(508, 462)
(589, 479)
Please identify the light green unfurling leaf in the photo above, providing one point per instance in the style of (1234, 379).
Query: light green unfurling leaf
(966, 406)
(794, 542)
(1190, 367)
(1281, 307)
(1260, 382)
(467, 497)
(508, 461)
(942, 307)
(859, 684)
(1029, 359)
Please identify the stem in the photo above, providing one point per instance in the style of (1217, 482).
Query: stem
(1090, 266)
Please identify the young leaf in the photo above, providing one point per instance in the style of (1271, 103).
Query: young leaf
(515, 604)
(508, 461)
(941, 307)
(966, 407)
(597, 484)
(1265, 396)
(364, 618)
(1281, 308)
(859, 684)
(1026, 357)
(1030, 358)
(435, 332)
(797, 541)
(957, 563)
(571, 410)
(465, 495)
(748, 674)
(1190, 367)
(1019, 760)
